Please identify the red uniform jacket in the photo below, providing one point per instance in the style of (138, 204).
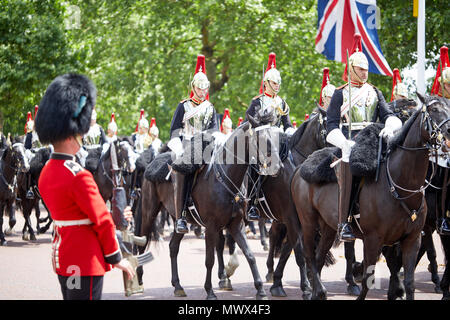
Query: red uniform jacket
(84, 241)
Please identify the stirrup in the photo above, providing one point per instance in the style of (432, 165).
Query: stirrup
(443, 228)
(30, 194)
(345, 232)
(181, 226)
(253, 214)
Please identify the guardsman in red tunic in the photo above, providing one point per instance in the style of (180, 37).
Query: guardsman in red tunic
(84, 243)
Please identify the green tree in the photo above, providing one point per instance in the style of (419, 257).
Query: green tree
(33, 51)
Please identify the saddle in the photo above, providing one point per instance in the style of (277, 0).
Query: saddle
(363, 158)
(158, 170)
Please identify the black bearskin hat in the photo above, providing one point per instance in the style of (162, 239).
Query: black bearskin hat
(66, 108)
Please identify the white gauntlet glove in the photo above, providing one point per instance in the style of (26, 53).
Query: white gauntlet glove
(392, 124)
(336, 138)
(176, 146)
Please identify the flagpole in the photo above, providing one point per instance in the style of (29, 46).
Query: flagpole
(421, 48)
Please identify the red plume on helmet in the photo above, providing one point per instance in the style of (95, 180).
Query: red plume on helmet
(152, 122)
(325, 79)
(200, 67)
(226, 113)
(272, 63)
(395, 79)
(294, 124)
(357, 46)
(443, 63)
(113, 117)
(306, 116)
(140, 117)
(29, 118)
(36, 108)
(240, 121)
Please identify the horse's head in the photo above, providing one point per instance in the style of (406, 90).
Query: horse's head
(126, 157)
(263, 143)
(438, 123)
(17, 159)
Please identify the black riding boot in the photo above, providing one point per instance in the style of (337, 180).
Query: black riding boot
(443, 226)
(253, 211)
(345, 178)
(181, 197)
(30, 193)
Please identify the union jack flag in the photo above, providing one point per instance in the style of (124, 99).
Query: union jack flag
(339, 20)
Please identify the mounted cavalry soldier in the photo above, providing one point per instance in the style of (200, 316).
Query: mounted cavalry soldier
(84, 239)
(111, 136)
(400, 105)
(327, 89)
(32, 144)
(441, 88)
(268, 101)
(346, 118)
(192, 116)
(95, 137)
(141, 138)
(154, 135)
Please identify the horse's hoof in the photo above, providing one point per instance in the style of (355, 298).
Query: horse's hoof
(33, 238)
(446, 297)
(437, 289)
(260, 296)
(179, 293)
(9, 231)
(269, 277)
(26, 236)
(211, 296)
(307, 295)
(225, 284)
(277, 292)
(353, 290)
(322, 295)
(265, 247)
(3, 243)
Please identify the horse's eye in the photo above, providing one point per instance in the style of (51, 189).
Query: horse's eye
(434, 109)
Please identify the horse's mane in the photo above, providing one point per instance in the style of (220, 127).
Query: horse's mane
(400, 137)
(144, 159)
(295, 138)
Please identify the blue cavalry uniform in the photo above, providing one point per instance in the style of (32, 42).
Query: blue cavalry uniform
(367, 105)
(191, 116)
(268, 102)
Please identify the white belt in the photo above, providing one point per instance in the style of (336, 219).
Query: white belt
(358, 125)
(68, 223)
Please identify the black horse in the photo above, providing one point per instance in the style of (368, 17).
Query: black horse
(393, 209)
(217, 197)
(37, 163)
(13, 160)
(101, 168)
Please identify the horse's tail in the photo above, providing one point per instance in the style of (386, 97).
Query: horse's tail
(152, 231)
(278, 234)
(329, 257)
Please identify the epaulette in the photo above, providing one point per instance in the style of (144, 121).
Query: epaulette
(73, 167)
(258, 96)
(183, 101)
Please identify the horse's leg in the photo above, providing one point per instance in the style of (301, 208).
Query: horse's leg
(28, 232)
(12, 219)
(352, 287)
(3, 241)
(428, 245)
(236, 229)
(445, 282)
(394, 263)
(305, 285)
(224, 281)
(210, 243)
(273, 234)
(372, 248)
(233, 263)
(277, 287)
(410, 247)
(37, 212)
(262, 233)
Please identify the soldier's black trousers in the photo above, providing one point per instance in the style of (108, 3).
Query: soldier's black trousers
(81, 288)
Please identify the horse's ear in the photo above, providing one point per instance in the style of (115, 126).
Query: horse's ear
(421, 97)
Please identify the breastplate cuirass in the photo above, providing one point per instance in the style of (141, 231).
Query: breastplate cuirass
(198, 122)
(274, 105)
(362, 107)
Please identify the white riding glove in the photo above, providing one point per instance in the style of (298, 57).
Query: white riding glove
(176, 146)
(336, 138)
(391, 125)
